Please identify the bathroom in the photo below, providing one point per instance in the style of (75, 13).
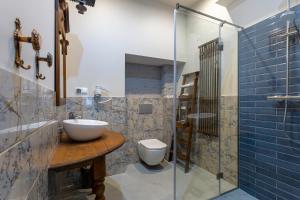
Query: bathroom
(154, 100)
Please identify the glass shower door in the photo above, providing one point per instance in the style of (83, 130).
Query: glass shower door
(199, 48)
(209, 48)
(229, 109)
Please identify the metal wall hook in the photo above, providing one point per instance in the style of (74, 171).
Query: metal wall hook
(34, 39)
(38, 59)
(20, 63)
(48, 59)
(40, 76)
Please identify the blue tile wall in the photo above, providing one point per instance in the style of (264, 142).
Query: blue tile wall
(269, 161)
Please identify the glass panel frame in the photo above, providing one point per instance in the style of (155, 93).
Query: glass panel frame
(223, 103)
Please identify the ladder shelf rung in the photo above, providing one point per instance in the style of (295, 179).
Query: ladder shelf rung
(187, 85)
(179, 124)
(181, 156)
(188, 98)
(185, 97)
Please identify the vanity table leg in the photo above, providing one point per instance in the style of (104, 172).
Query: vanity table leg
(99, 173)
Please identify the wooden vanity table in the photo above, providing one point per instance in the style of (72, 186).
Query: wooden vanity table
(70, 154)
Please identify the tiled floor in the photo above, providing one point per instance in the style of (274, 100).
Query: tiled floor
(237, 195)
(140, 182)
(199, 184)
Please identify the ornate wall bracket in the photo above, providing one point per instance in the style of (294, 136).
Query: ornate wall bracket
(34, 39)
(38, 59)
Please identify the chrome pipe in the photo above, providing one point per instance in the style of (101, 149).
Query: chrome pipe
(178, 6)
(219, 94)
(287, 68)
(288, 97)
(201, 85)
(211, 76)
(288, 22)
(174, 105)
(209, 71)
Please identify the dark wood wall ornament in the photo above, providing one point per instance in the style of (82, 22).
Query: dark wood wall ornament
(62, 27)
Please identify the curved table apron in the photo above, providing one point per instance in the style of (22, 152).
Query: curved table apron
(69, 155)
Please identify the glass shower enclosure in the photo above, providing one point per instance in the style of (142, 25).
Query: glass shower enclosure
(206, 111)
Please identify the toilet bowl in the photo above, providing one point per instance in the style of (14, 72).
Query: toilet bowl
(152, 151)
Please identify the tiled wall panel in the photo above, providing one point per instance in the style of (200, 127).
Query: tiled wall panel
(28, 135)
(269, 150)
(122, 114)
(205, 151)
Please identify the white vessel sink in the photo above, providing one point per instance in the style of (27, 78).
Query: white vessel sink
(83, 129)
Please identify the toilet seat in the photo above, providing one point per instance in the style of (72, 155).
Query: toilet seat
(153, 144)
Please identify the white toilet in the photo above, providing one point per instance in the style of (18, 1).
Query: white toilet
(152, 151)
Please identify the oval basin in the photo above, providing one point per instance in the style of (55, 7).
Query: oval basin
(84, 129)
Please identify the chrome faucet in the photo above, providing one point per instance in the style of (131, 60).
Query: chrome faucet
(72, 115)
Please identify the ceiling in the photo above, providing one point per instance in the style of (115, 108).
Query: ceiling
(144, 60)
(226, 3)
(183, 2)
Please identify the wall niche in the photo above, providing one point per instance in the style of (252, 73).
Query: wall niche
(148, 77)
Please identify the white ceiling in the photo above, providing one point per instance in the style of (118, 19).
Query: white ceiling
(183, 2)
(226, 3)
(144, 60)
(192, 2)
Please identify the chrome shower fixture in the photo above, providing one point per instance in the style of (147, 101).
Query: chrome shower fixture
(288, 15)
(81, 7)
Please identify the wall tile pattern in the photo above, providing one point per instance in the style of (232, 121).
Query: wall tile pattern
(28, 132)
(205, 149)
(122, 115)
(269, 150)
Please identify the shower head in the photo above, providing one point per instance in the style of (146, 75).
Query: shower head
(288, 15)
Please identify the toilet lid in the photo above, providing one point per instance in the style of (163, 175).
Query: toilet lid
(153, 144)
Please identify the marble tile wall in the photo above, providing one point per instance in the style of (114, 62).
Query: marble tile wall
(229, 138)
(205, 151)
(168, 122)
(122, 115)
(156, 125)
(113, 111)
(167, 81)
(122, 112)
(28, 132)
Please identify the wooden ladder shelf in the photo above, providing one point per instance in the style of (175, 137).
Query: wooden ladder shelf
(184, 125)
